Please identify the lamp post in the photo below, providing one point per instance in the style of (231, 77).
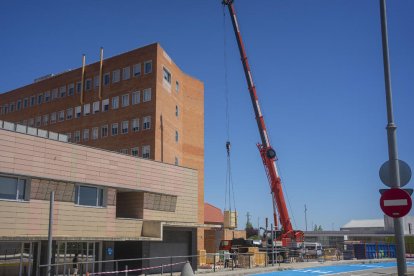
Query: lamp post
(392, 142)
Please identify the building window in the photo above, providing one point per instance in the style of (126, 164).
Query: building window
(126, 73)
(166, 75)
(13, 188)
(125, 100)
(89, 196)
(146, 123)
(410, 228)
(105, 105)
(147, 95)
(148, 67)
(114, 129)
(137, 70)
(177, 86)
(107, 79)
(176, 161)
(52, 118)
(61, 116)
(96, 82)
(176, 111)
(62, 91)
(11, 107)
(40, 98)
(134, 151)
(116, 76)
(46, 119)
(135, 125)
(176, 136)
(78, 87)
(55, 94)
(146, 151)
(32, 100)
(88, 84)
(69, 136)
(25, 102)
(19, 105)
(77, 136)
(104, 131)
(25, 122)
(86, 109)
(115, 102)
(71, 89)
(47, 96)
(95, 132)
(124, 151)
(125, 125)
(85, 135)
(95, 107)
(69, 113)
(38, 121)
(3, 109)
(78, 111)
(31, 121)
(136, 97)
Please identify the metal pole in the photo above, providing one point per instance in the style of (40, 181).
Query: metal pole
(273, 247)
(392, 142)
(50, 234)
(306, 219)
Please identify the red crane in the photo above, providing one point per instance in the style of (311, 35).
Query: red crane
(267, 153)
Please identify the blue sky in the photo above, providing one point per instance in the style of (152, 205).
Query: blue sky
(317, 66)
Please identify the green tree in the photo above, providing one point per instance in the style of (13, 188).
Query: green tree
(320, 228)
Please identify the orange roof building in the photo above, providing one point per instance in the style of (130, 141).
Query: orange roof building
(212, 214)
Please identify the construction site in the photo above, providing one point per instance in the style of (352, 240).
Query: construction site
(104, 171)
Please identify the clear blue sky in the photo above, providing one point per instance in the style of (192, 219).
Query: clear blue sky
(318, 70)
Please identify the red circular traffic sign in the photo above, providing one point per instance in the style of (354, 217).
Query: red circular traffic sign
(395, 202)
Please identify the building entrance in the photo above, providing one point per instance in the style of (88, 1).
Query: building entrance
(85, 252)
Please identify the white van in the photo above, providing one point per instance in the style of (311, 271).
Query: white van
(313, 249)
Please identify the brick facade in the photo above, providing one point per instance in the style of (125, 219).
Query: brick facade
(175, 108)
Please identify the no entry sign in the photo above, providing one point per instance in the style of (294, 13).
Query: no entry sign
(395, 203)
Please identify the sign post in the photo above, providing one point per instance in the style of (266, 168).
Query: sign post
(394, 166)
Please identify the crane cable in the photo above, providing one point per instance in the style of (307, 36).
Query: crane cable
(229, 189)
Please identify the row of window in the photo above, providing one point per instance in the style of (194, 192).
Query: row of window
(16, 188)
(145, 153)
(69, 90)
(97, 106)
(116, 128)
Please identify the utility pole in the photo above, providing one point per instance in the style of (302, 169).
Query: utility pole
(306, 219)
(392, 142)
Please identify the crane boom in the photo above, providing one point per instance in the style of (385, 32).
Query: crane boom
(267, 153)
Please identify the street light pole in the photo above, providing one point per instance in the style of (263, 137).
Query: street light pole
(392, 143)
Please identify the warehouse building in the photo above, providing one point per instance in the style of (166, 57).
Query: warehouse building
(363, 230)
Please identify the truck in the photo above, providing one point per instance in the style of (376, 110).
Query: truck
(289, 239)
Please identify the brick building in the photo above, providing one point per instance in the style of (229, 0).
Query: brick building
(138, 103)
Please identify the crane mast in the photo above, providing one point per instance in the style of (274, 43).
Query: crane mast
(267, 153)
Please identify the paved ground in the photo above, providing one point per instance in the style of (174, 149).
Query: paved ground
(365, 267)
